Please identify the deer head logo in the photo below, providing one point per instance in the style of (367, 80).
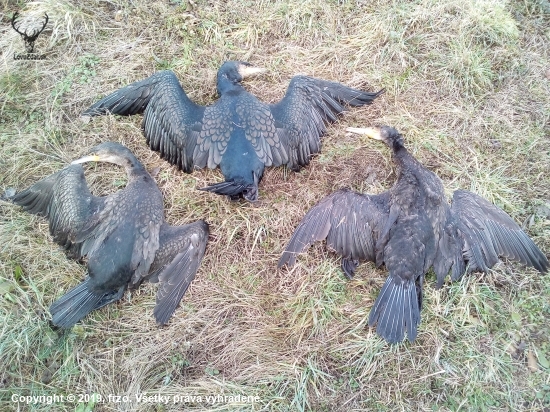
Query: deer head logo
(28, 38)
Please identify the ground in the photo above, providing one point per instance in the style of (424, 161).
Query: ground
(467, 83)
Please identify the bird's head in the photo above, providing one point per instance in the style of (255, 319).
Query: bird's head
(234, 72)
(110, 152)
(387, 134)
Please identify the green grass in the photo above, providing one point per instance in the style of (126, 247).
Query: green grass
(465, 83)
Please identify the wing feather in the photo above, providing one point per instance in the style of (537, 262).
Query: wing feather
(65, 200)
(489, 232)
(171, 120)
(176, 263)
(349, 221)
(307, 106)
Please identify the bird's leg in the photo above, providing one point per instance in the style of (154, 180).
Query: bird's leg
(251, 192)
(348, 266)
(111, 297)
(420, 291)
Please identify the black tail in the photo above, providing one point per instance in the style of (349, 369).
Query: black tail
(397, 308)
(232, 189)
(78, 302)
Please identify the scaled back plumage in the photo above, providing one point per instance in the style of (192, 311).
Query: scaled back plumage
(123, 235)
(238, 132)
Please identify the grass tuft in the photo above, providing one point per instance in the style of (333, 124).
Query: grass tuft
(465, 83)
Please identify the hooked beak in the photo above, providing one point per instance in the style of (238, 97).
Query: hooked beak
(247, 71)
(90, 158)
(372, 132)
(102, 157)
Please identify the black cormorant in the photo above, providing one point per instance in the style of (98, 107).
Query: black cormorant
(238, 132)
(410, 228)
(123, 235)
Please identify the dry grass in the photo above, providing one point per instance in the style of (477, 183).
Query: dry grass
(465, 83)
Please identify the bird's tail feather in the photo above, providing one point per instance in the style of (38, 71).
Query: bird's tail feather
(228, 188)
(396, 309)
(78, 302)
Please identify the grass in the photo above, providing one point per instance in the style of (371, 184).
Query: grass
(465, 83)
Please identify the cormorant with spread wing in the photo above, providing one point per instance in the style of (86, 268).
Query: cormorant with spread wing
(123, 235)
(238, 132)
(410, 228)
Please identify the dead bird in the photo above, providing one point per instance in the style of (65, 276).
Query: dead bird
(123, 235)
(410, 228)
(238, 132)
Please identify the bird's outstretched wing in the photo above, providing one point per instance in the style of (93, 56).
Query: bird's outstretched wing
(309, 104)
(351, 223)
(65, 200)
(172, 122)
(488, 232)
(176, 263)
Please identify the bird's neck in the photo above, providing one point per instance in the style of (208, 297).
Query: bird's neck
(402, 156)
(134, 169)
(225, 85)
(398, 146)
(407, 164)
